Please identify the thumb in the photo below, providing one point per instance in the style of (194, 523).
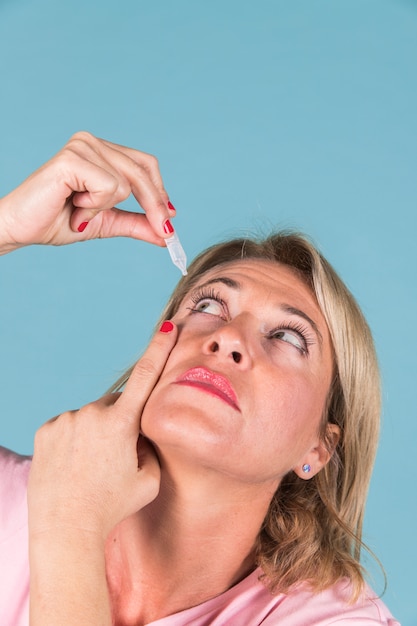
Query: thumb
(147, 370)
(114, 222)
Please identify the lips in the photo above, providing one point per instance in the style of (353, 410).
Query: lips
(209, 381)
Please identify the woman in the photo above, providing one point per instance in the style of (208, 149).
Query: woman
(241, 501)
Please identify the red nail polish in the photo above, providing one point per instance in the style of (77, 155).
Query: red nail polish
(168, 227)
(82, 227)
(171, 206)
(166, 327)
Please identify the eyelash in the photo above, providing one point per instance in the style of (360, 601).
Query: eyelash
(298, 328)
(205, 293)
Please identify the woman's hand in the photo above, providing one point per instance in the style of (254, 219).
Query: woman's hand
(90, 471)
(73, 196)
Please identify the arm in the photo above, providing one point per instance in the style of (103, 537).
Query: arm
(72, 500)
(85, 478)
(72, 197)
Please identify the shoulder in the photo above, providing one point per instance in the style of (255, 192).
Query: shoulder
(331, 607)
(251, 603)
(14, 471)
(14, 566)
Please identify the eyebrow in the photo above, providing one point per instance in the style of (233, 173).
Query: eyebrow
(294, 311)
(229, 282)
(287, 308)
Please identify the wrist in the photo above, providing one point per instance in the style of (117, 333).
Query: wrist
(76, 555)
(81, 531)
(68, 579)
(6, 242)
(63, 515)
(67, 536)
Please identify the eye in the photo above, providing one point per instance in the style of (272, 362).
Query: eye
(295, 334)
(289, 337)
(206, 305)
(208, 301)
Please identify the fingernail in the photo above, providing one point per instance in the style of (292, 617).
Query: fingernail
(166, 327)
(171, 206)
(82, 227)
(168, 227)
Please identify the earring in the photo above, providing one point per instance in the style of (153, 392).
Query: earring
(306, 468)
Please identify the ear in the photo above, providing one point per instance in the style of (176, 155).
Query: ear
(320, 455)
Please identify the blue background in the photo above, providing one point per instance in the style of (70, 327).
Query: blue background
(266, 113)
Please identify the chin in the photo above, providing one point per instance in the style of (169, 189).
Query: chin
(191, 430)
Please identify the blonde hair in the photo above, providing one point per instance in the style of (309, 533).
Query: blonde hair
(313, 528)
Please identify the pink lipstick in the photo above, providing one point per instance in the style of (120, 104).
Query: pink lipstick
(211, 382)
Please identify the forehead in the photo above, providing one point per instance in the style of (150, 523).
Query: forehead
(270, 276)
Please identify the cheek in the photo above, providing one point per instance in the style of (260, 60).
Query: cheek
(294, 407)
(160, 414)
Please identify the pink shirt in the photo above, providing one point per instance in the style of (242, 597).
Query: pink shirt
(248, 603)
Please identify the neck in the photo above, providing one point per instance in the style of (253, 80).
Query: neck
(198, 539)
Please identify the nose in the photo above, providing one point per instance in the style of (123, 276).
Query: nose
(228, 342)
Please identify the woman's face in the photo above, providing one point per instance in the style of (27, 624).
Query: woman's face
(245, 387)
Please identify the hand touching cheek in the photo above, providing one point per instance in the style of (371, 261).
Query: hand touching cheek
(89, 468)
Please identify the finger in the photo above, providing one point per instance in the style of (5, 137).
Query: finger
(147, 371)
(137, 171)
(92, 189)
(109, 399)
(143, 173)
(103, 189)
(146, 160)
(112, 222)
(151, 200)
(146, 453)
(56, 417)
(116, 223)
